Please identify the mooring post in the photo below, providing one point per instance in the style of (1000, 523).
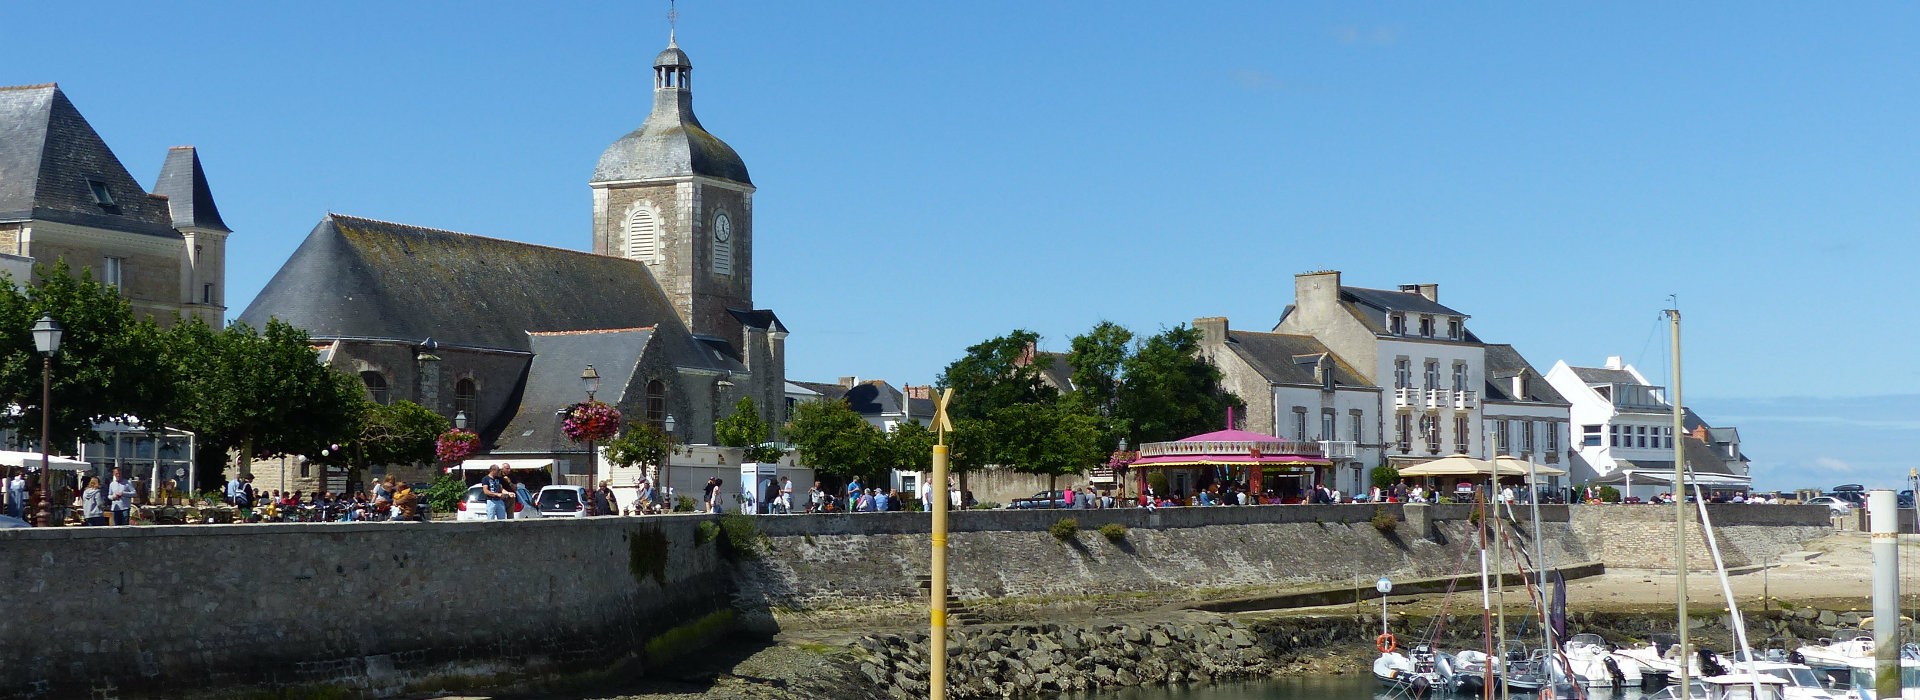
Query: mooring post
(1883, 517)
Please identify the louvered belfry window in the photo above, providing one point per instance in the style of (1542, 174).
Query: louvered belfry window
(643, 235)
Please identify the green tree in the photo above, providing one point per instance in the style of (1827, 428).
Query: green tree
(403, 432)
(995, 374)
(1169, 392)
(109, 365)
(745, 429)
(1097, 357)
(1053, 440)
(910, 447)
(263, 394)
(641, 444)
(834, 439)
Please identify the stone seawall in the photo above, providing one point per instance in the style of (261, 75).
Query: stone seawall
(1642, 537)
(368, 608)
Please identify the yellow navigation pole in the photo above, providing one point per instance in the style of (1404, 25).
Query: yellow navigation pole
(937, 501)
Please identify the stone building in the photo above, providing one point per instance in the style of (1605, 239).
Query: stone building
(65, 195)
(501, 331)
(1524, 415)
(1297, 389)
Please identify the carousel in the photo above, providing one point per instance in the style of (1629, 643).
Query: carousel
(1275, 469)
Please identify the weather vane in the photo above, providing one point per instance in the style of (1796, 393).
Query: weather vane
(673, 20)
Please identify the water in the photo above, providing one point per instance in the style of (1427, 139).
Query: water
(1361, 687)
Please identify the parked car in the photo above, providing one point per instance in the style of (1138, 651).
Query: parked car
(473, 506)
(1857, 499)
(1043, 499)
(562, 502)
(1839, 506)
(1904, 499)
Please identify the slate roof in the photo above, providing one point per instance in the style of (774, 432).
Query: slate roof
(1410, 302)
(758, 318)
(48, 152)
(874, 397)
(361, 278)
(826, 390)
(1278, 357)
(671, 142)
(189, 198)
(1055, 370)
(1602, 375)
(553, 383)
(1503, 363)
(1701, 458)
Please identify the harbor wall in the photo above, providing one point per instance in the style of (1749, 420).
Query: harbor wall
(358, 609)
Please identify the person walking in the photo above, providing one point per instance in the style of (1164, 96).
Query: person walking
(17, 494)
(786, 496)
(495, 493)
(93, 503)
(120, 499)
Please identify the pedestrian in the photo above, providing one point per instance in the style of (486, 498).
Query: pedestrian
(786, 496)
(520, 499)
(880, 504)
(120, 499)
(93, 503)
(854, 490)
(17, 494)
(612, 503)
(406, 503)
(643, 503)
(1067, 496)
(495, 493)
(816, 499)
(711, 495)
(235, 489)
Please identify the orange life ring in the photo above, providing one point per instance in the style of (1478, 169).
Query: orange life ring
(1385, 643)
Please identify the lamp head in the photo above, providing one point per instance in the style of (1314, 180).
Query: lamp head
(460, 420)
(46, 336)
(669, 423)
(591, 378)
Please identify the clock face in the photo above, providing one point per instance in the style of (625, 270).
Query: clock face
(722, 228)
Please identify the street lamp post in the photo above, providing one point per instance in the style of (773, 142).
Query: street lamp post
(460, 420)
(591, 380)
(46, 339)
(660, 487)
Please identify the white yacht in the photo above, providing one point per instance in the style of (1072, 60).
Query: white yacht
(1596, 664)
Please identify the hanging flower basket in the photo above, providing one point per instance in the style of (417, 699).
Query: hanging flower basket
(591, 422)
(456, 445)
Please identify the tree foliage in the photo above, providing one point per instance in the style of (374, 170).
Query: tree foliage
(834, 439)
(403, 432)
(264, 394)
(910, 447)
(108, 366)
(995, 374)
(642, 444)
(745, 429)
(1168, 391)
(1097, 357)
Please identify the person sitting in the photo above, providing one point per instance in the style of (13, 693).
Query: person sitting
(407, 503)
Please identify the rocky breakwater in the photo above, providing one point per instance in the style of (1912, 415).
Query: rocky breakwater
(1022, 659)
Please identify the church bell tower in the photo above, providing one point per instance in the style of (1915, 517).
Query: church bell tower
(678, 199)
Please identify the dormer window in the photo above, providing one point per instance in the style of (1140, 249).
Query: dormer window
(1426, 326)
(1324, 368)
(1453, 329)
(101, 195)
(1397, 324)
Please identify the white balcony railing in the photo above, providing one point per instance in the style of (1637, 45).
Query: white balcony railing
(1339, 449)
(1465, 400)
(1438, 399)
(1403, 397)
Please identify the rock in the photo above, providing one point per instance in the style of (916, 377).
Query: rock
(1159, 638)
(1828, 618)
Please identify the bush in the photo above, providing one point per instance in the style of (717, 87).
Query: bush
(743, 538)
(1385, 476)
(1609, 494)
(1157, 480)
(986, 505)
(444, 494)
(1114, 532)
(705, 532)
(683, 504)
(1065, 529)
(1384, 521)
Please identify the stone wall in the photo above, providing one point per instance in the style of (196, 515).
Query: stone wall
(1642, 536)
(371, 608)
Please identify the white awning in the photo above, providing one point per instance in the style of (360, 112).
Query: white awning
(517, 465)
(1666, 477)
(32, 459)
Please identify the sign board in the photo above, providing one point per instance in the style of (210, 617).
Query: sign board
(754, 477)
(1383, 585)
(1100, 475)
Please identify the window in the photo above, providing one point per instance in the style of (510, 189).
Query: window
(1502, 441)
(1460, 444)
(1590, 435)
(101, 195)
(1325, 368)
(1433, 374)
(657, 403)
(643, 235)
(1405, 434)
(1643, 436)
(1397, 324)
(306, 469)
(376, 386)
(1669, 435)
(466, 399)
(1299, 423)
(1358, 433)
(1613, 436)
(1460, 376)
(1426, 326)
(1402, 373)
(1432, 431)
(1553, 441)
(112, 271)
(1453, 328)
(1327, 426)
(1526, 437)
(206, 293)
(722, 244)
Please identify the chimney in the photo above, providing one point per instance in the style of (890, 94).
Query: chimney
(1520, 386)
(1430, 291)
(1318, 291)
(923, 392)
(849, 382)
(1213, 329)
(1614, 362)
(1700, 433)
(1028, 354)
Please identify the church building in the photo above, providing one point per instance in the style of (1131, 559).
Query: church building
(498, 333)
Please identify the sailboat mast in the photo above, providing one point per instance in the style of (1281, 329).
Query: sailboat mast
(1499, 585)
(1679, 501)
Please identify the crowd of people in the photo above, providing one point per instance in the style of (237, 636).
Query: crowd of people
(99, 503)
(389, 499)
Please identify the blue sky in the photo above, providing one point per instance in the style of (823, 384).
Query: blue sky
(932, 174)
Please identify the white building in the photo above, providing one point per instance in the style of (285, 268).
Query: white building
(1625, 432)
(1417, 350)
